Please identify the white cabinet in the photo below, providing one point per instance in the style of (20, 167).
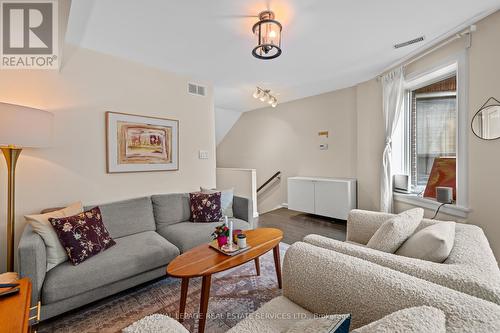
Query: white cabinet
(332, 197)
(301, 196)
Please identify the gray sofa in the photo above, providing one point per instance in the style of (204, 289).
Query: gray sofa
(149, 233)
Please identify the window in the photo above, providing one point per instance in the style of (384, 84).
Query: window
(433, 126)
(434, 123)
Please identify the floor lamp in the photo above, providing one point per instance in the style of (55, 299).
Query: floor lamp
(20, 127)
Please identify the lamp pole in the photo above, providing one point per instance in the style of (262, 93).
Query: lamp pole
(11, 155)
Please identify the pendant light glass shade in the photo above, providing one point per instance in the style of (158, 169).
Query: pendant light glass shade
(268, 33)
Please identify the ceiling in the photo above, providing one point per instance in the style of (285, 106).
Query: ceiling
(327, 44)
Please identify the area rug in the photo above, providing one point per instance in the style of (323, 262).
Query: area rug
(234, 294)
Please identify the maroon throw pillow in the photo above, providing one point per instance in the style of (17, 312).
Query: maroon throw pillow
(205, 207)
(82, 235)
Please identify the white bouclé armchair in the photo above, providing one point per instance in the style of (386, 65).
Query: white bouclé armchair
(470, 268)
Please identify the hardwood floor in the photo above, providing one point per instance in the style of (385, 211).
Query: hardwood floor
(296, 225)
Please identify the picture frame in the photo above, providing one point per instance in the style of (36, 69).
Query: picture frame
(136, 143)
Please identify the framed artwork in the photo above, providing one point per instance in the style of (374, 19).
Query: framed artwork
(443, 173)
(137, 143)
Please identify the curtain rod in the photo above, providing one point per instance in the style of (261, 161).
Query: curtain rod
(465, 29)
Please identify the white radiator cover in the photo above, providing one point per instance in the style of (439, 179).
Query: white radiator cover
(331, 197)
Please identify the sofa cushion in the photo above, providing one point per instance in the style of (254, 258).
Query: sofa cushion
(186, 235)
(171, 208)
(393, 232)
(130, 256)
(420, 319)
(82, 235)
(433, 243)
(128, 217)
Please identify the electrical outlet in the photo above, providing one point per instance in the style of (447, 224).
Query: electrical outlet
(203, 155)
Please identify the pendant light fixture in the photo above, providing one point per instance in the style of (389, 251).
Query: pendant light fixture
(268, 33)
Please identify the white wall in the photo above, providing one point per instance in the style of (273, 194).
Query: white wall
(224, 121)
(286, 139)
(243, 181)
(74, 168)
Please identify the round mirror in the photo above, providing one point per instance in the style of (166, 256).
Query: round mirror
(486, 122)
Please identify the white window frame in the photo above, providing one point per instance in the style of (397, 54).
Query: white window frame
(458, 64)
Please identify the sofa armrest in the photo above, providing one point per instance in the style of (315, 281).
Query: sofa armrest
(458, 277)
(362, 224)
(32, 261)
(328, 282)
(243, 209)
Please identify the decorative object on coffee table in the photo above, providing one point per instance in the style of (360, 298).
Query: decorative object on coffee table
(242, 241)
(138, 143)
(220, 234)
(202, 261)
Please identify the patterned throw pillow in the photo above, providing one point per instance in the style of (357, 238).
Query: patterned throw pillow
(226, 200)
(56, 254)
(82, 235)
(205, 207)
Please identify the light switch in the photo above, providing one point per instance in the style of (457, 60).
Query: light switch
(323, 146)
(203, 155)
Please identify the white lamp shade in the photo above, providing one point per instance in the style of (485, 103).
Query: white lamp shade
(25, 127)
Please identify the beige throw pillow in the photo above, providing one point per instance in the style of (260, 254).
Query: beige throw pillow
(395, 231)
(432, 243)
(41, 225)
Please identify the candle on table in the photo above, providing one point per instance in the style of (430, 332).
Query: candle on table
(230, 242)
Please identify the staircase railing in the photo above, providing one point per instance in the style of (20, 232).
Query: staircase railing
(277, 175)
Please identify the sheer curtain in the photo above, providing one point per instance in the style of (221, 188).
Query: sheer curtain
(393, 98)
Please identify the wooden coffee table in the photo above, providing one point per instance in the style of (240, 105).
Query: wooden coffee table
(204, 261)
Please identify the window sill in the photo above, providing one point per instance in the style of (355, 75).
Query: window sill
(413, 199)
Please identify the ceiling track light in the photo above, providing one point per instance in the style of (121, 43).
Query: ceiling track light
(264, 95)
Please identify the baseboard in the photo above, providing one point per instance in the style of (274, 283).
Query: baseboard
(284, 205)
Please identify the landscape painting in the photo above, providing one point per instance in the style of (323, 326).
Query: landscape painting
(138, 143)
